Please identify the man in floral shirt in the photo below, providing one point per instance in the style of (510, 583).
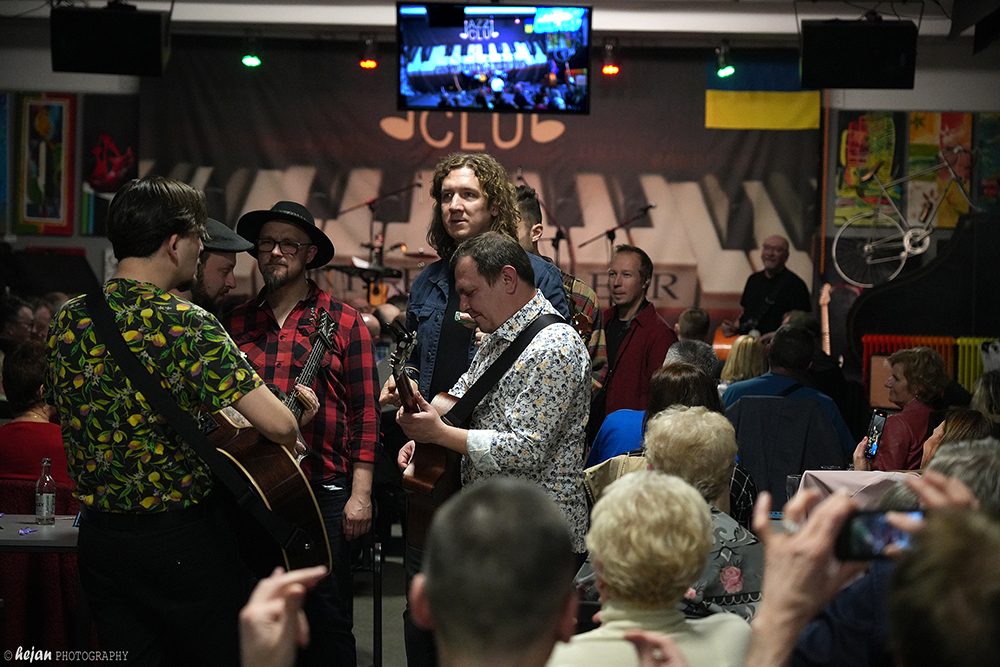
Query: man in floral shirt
(157, 557)
(531, 425)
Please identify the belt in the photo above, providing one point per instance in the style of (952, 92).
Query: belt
(150, 520)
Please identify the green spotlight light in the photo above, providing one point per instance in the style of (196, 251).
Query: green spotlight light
(251, 60)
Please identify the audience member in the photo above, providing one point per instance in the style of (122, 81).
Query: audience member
(272, 624)
(789, 355)
(986, 395)
(699, 446)
(34, 433)
(944, 601)
(496, 586)
(918, 376)
(695, 352)
(747, 359)
(649, 538)
(673, 384)
(959, 424)
(853, 630)
(17, 322)
(825, 374)
(693, 324)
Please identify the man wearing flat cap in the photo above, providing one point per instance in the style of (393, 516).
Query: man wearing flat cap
(272, 330)
(215, 277)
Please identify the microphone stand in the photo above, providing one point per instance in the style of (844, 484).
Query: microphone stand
(610, 233)
(376, 246)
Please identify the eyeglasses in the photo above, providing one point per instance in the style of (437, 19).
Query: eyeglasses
(286, 247)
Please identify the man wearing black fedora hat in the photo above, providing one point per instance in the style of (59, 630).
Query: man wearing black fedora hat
(215, 277)
(273, 330)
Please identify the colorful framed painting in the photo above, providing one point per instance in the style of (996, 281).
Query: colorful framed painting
(45, 181)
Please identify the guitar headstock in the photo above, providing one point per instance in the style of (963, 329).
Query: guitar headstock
(824, 295)
(324, 329)
(405, 342)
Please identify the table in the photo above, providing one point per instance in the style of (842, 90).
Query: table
(866, 487)
(59, 537)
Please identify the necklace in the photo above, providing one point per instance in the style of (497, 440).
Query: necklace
(31, 415)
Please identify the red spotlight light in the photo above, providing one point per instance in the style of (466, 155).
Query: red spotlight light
(368, 63)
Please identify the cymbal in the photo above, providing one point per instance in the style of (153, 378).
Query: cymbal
(369, 274)
(421, 255)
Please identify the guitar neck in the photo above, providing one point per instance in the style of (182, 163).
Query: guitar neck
(405, 391)
(306, 377)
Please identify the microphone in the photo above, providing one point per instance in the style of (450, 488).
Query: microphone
(419, 184)
(645, 209)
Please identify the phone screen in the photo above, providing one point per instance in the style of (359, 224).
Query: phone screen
(875, 433)
(867, 534)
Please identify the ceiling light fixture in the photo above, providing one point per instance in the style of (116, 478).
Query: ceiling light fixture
(369, 56)
(723, 61)
(610, 61)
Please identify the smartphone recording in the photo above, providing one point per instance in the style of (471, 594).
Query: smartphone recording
(867, 535)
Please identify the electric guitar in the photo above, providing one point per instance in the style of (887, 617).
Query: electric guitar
(433, 474)
(271, 469)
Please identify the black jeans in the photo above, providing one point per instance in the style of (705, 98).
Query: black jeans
(328, 607)
(167, 588)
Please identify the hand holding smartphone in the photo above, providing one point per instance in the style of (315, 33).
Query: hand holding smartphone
(875, 429)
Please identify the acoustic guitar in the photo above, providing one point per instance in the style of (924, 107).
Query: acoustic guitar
(271, 469)
(434, 472)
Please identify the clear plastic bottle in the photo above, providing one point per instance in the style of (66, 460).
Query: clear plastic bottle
(45, 496)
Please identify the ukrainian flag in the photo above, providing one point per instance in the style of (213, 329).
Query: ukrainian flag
(763, 94)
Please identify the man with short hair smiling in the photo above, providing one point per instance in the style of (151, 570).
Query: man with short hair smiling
(770, 293)
(637, 337)
(273, 329)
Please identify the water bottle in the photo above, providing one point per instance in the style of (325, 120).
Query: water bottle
(45, 496)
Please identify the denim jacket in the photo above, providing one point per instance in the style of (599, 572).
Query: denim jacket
(429, 301)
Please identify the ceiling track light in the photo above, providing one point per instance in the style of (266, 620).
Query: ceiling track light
(723, 61)
(250, 58)
(610, 67)
(369, 55)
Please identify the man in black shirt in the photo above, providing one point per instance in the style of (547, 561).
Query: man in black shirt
(770, 293)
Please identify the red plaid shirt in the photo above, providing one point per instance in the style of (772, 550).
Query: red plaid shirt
(347, 426)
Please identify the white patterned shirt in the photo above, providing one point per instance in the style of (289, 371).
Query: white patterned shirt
(532, 424)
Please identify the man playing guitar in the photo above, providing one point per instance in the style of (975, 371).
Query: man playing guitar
(272, 330)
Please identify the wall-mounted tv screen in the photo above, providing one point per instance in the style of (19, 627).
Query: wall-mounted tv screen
(528, 59)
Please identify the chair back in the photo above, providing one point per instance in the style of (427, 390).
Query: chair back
(781, 436)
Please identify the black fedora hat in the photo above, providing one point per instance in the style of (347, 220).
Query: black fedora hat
(287, 211)
(223, 239)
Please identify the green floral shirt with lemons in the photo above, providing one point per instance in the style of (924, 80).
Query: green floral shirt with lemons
(122, 454)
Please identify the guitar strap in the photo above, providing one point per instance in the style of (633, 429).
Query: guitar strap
(462, 410)
(289, 536)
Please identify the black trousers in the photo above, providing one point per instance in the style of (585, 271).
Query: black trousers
(167, 588)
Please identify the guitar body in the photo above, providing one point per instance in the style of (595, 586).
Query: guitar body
(433, 476)
(278, 479)
(722, 344)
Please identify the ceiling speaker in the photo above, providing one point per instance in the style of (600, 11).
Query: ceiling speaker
(109, 40)
(858, 54)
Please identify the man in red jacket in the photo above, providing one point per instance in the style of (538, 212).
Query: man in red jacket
(637, 337)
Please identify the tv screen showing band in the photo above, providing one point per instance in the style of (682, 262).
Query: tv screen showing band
(528, 59)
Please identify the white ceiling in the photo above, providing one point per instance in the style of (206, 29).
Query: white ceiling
(640, 19)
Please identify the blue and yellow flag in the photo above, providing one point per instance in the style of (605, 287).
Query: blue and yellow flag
(763, 94)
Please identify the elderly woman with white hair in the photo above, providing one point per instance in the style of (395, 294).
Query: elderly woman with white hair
(699, 446)
(649, 538)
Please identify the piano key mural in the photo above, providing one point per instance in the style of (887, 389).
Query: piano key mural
(309, 125)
